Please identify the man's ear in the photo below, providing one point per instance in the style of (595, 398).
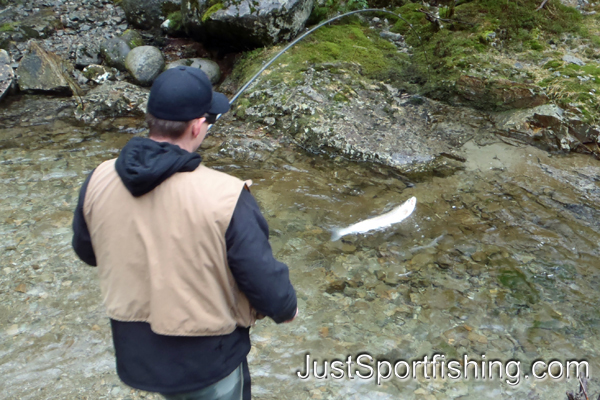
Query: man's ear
(197, 126)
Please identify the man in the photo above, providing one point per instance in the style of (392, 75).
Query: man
(182, 251)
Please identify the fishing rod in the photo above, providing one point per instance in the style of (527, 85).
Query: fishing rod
(299, 38)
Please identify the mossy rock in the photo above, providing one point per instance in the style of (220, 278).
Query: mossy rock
(213, 9)
(133, 38)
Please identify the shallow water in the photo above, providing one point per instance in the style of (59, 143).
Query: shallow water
(500, 260)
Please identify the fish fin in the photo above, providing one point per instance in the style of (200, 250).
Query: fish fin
(336, 234)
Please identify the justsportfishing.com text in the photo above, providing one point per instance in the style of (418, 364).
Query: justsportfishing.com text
(437, 366)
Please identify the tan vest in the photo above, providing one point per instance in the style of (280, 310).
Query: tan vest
(162, 257)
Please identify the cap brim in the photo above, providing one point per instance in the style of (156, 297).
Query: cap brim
(219, 104)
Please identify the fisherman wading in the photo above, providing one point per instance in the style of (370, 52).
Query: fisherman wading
(183, 256)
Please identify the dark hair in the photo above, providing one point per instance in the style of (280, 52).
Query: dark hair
(165, 128)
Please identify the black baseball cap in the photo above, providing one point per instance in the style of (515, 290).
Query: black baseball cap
(183, 94)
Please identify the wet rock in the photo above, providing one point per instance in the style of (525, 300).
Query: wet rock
(550, 128)
(99, 73)
(145, 14)
(498, 94)
(7, 75)
(43, 71)
(145, 63)
(246, 23)
(114, 51)
(132, 38)
(112, 99)
(209, 67)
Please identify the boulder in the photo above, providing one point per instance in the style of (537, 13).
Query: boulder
(147, 14)
(41, 70)
(550, 128)
(114, 51)
(145, 63)
(111, 100)
(498, 94)
(209, 67)
(245, 23)
(132, 38)
(7, 74)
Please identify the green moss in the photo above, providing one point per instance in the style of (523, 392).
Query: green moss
(352, 48)
(175, 19)
(516, 281)
(8, 27)
(211, 10)
(340, 97)
(535, 45)
(553, 64)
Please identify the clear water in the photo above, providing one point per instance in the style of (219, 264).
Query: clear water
(500, 260)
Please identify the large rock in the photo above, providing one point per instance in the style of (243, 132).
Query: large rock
(331, 109)
(497, 94)
(550, 128)
(114, 51)
(111, 100)
(147, 14)
(43, 71)
(7, 74)
(145, 63)
(209, 67)
(245, 23)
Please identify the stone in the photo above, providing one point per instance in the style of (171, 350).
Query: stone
(246, 23)
(114, 51)
(209, 67)
(569, 59)
(145, 63)
(43, 71)
(498, 94)
(146, 14)
(86, 55)
(133, 38)
(111, 100)
(99, 73)
(7, 74)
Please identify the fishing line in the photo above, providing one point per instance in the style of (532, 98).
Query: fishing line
(299, 38)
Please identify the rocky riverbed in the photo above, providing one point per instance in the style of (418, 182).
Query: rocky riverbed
(499, 259)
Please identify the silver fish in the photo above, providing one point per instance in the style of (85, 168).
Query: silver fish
(398, 214)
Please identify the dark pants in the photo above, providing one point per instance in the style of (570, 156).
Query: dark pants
(235, 386)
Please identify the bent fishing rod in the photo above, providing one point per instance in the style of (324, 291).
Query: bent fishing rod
(305, 34)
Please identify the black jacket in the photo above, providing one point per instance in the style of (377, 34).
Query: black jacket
(170, 364)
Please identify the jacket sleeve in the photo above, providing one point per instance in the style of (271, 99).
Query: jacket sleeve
(264, 280)
(82, 242)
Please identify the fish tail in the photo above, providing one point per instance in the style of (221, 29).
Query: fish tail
(336, 234)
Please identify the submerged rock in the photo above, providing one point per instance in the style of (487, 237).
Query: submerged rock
(245, 23)
(209, 67)
(145, 63)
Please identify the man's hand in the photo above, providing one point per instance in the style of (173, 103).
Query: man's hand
(293, 318)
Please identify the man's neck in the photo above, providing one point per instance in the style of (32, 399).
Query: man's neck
(185, 145)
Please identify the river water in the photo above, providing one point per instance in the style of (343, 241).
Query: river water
(498, 260)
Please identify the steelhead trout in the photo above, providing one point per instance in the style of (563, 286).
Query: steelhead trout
(398, 214)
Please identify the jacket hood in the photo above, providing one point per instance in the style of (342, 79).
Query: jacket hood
(145, 163)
